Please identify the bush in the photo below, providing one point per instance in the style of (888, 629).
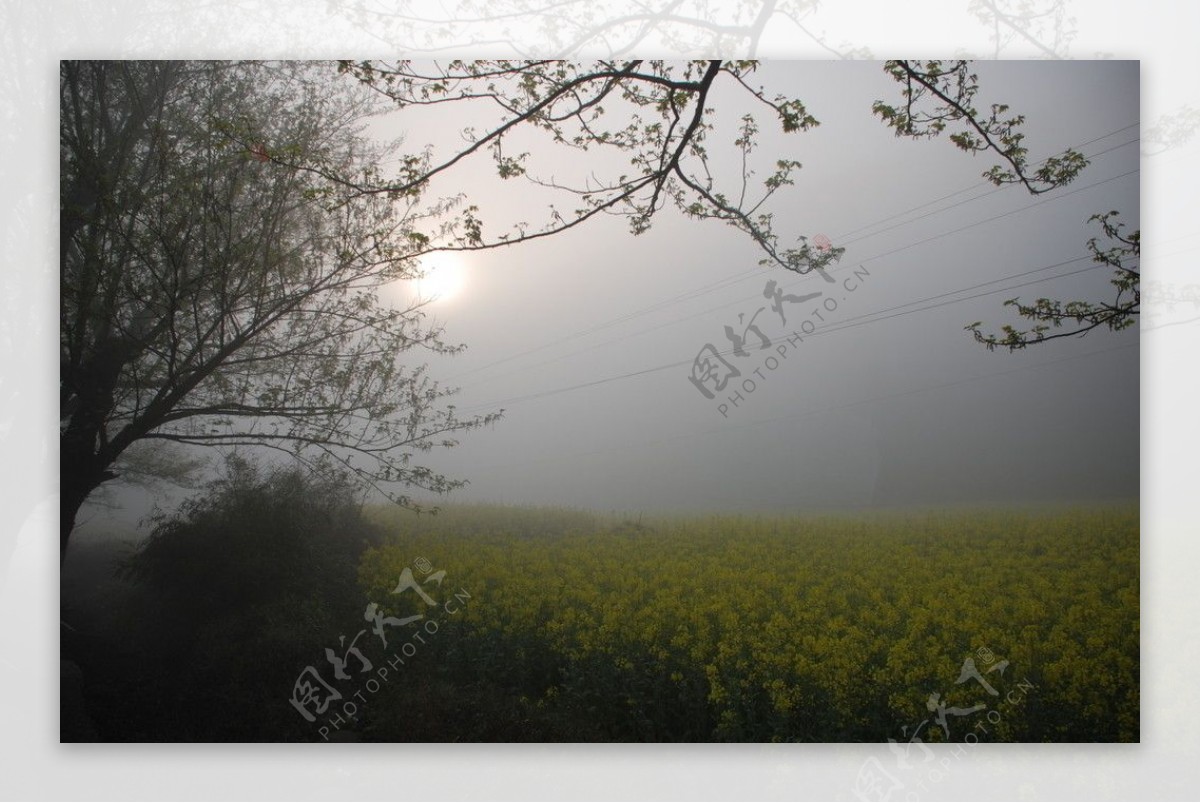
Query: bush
(237, 592)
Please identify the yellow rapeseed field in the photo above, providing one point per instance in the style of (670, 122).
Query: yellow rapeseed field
(1011, 625)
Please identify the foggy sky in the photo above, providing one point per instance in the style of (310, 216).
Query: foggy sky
(586, 339)
(908, 410)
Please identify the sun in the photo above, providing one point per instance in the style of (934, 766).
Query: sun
(444, 275)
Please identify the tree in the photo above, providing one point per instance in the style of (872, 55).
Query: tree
(936, 96)
(574, 29)
(211, 296)
(568, 103)
(1115, 315)
(225, 229)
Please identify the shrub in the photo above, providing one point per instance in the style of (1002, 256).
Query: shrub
(237, 592)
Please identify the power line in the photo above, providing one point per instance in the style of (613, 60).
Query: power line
(852, 323)
(722, 306)
(729, 281)
(810, 277)
(827, 409)
(1057, 197)
(955, 206)
(845, 235)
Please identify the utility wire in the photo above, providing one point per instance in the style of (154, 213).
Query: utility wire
(712, 309)
(854, 323)
(809, 278)
(728, 281)
(806, 413)
(955, 206)
(991, 191)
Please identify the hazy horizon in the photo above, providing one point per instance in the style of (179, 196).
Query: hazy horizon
(587, 339)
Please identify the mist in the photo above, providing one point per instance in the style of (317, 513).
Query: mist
(875, 396)
(587, 341)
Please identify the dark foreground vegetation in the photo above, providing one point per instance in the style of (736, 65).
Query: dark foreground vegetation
(548, 625)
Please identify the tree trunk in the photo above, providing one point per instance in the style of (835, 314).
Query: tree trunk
(81, 471)
(74, 488)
